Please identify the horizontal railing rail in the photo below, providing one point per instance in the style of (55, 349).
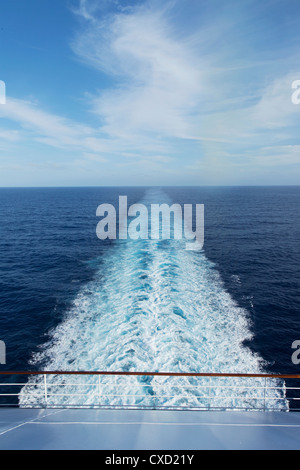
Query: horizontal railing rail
(155, 374)
(150, 390)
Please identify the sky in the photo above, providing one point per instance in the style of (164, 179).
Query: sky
(145, 92)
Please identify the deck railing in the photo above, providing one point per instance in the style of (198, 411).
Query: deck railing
(150, 390)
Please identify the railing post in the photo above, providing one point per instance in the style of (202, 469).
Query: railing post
(265, 390)
(99, 390)
(209, 394)
(46, 391)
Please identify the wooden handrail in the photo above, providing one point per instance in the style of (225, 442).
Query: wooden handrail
(155, 374)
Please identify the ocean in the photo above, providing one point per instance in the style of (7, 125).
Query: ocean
(70, 301)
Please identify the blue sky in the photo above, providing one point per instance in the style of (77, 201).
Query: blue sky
(123, 92)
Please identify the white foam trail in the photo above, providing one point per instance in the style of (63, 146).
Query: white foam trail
(153, 306)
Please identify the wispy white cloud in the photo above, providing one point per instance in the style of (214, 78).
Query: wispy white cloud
(9, 135)
(174, 85)
(275, 108)
(160, 80)
(199, 100)
(95, 158)
(84, 10)
(51, 129)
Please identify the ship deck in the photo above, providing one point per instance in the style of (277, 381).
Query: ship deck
(29, 429)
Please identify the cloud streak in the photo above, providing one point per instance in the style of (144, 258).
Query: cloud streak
(193, 89)
(160, 76)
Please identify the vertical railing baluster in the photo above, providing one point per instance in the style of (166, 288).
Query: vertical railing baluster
(46, 390)
(99, 390)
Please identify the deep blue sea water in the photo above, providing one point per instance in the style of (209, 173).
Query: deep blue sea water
(71, 301)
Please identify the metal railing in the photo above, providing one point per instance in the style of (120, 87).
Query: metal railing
(150, 390)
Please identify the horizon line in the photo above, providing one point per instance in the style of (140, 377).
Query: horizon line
(158, 186)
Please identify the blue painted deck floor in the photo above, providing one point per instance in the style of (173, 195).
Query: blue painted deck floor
(147, 430)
